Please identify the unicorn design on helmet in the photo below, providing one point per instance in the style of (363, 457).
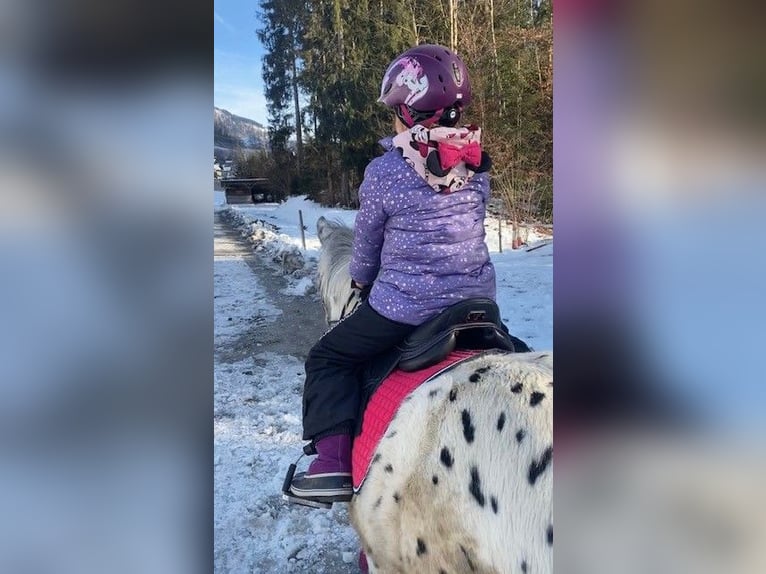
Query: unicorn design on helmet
(412, 76)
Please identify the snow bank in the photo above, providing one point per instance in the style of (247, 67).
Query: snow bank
(219, 200)
(274, 229)
(531, 235)
(265, 237)
(285, 217)
(524, 278)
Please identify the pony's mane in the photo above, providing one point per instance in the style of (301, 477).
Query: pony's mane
(334, 280)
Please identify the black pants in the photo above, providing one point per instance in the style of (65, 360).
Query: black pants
(332, 390)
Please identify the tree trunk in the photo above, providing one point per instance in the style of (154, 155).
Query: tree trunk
(416, 36)
(519, 98)
(298, 118)
(495, 75)
(314, 113)
(344, 187)
(453, 25)
(339, 32)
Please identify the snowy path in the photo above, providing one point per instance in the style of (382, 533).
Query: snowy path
(261, 339)
(265, 323)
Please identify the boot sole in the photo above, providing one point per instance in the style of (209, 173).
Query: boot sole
(335, 487)
(337, 495)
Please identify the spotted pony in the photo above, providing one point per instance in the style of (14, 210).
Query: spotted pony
(462, 480)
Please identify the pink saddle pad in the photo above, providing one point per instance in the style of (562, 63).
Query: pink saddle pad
(383, 406)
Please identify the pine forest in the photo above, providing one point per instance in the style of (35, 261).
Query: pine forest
(323, 64)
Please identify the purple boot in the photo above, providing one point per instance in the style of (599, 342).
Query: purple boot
(328, 477)
(362, 563)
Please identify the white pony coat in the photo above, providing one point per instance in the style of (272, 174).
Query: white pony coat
(462, 481)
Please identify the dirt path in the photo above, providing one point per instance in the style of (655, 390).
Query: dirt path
(261, 340)
(301, 323)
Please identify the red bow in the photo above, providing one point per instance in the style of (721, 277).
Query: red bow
(450, 155)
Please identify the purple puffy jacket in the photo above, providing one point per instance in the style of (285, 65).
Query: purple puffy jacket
(426, 248)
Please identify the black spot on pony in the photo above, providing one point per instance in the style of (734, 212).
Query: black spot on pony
(469, 431)
(475, 486)
(538, 466)
(421, 547)
(446, 457)
(535, 398)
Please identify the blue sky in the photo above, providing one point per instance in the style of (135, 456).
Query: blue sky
(237, 59)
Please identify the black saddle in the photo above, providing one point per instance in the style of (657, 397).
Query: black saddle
(473, 324)
(470, 324)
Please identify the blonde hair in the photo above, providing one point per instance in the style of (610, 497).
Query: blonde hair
(399, 126)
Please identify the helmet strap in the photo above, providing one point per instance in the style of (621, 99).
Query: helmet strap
(403, 113)
(448, 117)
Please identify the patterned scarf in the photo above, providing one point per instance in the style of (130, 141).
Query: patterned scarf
(445, 157)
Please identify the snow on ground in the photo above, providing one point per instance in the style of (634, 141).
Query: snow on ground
(301, 287)
(257, 431)
(285, 216)
(525, 294)
(524, 278)
(257, 435)
(239, 301)
(219, 199)
(257, 422)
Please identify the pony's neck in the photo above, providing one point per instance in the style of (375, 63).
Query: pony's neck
(338, 298)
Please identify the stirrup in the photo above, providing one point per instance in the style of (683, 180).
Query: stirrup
(324, 502)
(292, 499)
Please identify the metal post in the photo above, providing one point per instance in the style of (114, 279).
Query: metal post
(303, 235)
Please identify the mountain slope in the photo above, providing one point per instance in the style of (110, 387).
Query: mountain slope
(232, 132)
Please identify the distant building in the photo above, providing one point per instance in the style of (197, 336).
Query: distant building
(227, 170)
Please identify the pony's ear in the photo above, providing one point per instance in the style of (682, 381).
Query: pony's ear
(323, 229)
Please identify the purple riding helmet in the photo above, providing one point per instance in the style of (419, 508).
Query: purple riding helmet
(425, 85)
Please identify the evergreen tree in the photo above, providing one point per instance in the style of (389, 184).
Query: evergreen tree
(281, 35)
(331, 54)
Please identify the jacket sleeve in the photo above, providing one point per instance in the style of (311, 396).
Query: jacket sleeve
(368, 230)
(482, 180)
